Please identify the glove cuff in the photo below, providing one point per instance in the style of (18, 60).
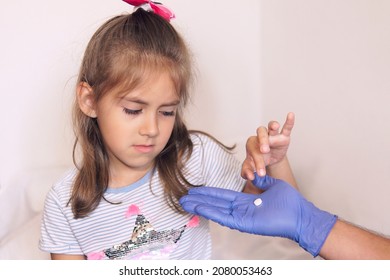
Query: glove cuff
(316, 229)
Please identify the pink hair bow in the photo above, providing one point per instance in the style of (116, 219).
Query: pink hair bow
(156, 7)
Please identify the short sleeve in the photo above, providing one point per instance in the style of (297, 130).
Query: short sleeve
(218, 166)
(56, 233)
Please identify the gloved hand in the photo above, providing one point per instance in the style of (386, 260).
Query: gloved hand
(283, 212)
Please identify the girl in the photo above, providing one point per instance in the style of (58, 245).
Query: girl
(138, 158)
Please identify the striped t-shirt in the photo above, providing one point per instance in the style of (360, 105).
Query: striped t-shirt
(138, 223)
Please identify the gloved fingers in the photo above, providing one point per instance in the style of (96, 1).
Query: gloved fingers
(189, 206)
(193, 207)
(212, 192)
(264, 182)
(221, 216)
(205, 199)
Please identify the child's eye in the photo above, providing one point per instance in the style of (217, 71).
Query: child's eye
(132, 112)
(168, 113)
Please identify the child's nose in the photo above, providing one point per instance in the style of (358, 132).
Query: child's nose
(149, 126)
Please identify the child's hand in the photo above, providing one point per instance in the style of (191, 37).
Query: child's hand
(268, 147)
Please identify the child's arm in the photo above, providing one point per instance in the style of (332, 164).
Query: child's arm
(67, 257)
(267, 153)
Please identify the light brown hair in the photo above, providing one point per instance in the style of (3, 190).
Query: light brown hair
(121, 53)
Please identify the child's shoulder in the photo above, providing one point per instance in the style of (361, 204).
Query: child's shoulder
(204, 141)
(62, 187)
(201, 138)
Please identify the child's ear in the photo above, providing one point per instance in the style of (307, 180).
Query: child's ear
(86, 99)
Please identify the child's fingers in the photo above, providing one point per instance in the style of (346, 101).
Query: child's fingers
(262, 138)
(273, 128)
(252, 165)
(289, 124)
(255, 157)
(247, 170)
(259, 164)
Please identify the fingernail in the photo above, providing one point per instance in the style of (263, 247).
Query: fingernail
(262, 172)
(265, 148)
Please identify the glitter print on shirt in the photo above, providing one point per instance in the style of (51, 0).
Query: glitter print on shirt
(145, 241)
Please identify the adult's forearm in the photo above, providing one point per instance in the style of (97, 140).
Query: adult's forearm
(347, 241)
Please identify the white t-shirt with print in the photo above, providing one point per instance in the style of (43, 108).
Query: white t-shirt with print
(138, 223)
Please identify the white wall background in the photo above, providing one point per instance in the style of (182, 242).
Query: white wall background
(327, 61)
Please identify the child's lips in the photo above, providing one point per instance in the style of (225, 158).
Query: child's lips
(144, 148)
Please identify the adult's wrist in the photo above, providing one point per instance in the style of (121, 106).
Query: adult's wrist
(315, 228)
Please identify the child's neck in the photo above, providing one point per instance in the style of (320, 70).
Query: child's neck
(126, 177)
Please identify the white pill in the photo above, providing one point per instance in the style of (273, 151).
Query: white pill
(257, 201)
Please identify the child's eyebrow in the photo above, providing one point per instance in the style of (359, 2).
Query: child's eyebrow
(173, 103)
(142, 102)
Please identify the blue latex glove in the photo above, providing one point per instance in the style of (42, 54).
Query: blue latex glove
(283, 212)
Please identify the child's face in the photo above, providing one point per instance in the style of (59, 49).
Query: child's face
(136, 127)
